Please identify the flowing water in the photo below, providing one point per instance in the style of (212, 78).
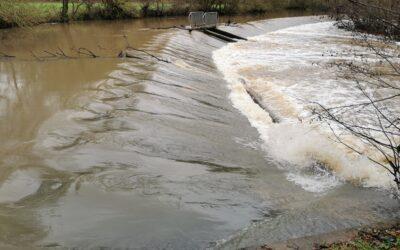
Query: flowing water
(143, 153)
(287, 72)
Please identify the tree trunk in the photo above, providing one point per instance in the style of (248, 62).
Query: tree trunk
(64, 11)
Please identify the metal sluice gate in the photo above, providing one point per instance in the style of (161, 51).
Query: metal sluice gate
(207, 23)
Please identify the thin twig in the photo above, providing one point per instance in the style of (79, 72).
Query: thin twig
(87, 52)
(4, 55)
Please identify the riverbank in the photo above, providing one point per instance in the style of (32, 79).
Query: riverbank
(371, 238)
(30, 13)
(379, 236)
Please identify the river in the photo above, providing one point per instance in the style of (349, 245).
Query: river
(143, 153)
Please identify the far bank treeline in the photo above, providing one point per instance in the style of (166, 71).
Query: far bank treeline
(31, 12)
(380, 17)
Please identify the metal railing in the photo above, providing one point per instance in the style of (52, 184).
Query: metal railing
(199, 19)
(210, 19)
(196, 19)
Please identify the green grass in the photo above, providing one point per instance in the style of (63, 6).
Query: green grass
(53, 9)
(371, 239)
(365, 245)
(56, 6)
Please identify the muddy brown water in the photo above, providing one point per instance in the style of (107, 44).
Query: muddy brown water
(138, 153)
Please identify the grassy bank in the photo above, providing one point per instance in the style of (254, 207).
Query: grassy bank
(378, 237)
(370, 239)
(30, 12)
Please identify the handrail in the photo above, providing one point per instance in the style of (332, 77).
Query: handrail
(200, 19)
(196, 19)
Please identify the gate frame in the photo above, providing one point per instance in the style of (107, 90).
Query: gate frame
(203, 20)
(196, 19)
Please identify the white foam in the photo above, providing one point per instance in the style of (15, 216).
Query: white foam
(19, 185)
(317, 183)
(286, 71)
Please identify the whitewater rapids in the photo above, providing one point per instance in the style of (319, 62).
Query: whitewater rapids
(273, 78)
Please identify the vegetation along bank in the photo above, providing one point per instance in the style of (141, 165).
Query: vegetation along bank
(31, 12)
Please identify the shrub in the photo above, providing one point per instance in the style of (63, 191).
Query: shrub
(14, 13)
(255, 6)
(373, 16)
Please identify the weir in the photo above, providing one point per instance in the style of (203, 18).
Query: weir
(207, 23)
(117, 150)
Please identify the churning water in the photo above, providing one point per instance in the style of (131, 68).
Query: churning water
(142, 153)
(287, 72)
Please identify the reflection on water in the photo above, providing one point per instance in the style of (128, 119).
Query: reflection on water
(141, 153)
